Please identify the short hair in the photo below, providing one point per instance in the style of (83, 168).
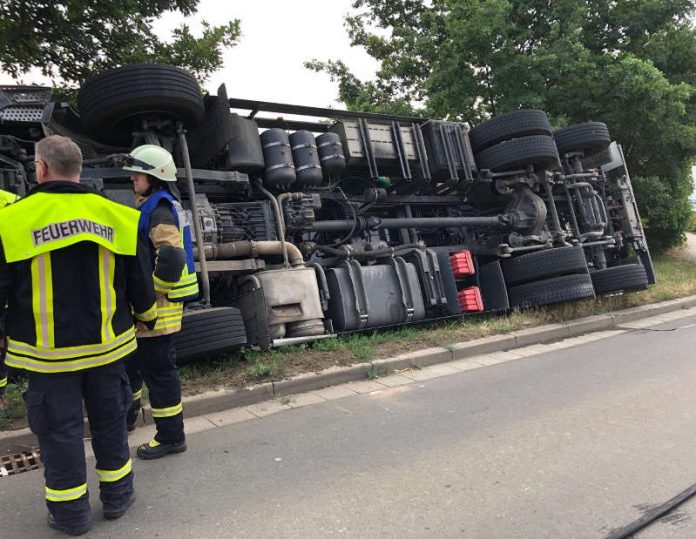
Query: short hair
(61, 155)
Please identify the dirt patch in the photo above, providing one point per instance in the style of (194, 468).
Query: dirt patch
(688, 250)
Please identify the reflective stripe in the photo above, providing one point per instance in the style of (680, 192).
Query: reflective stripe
(67, 495)
(186, 287)
(153, 443)
(149, 315)
(170, 316)
(68, 352)
(42, 299)
(3, 381)
(172, 310)
(167, 325)
(161, 285)
(184, 292)
(167, 412)
(111, 476)
(161, 290)
(107, 294)
(186, 279)
(38, 365)
(138, 394)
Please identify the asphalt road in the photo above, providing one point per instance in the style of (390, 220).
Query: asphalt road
(571, 443)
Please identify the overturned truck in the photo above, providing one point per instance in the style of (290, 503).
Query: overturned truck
(351, 221)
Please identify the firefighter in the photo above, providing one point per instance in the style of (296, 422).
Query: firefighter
(74, 275)
(6, 198)
(165, 228)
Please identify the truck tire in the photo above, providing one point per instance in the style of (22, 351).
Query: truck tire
(520, 123)
(537, 150)
(209, 331)
(620, 278)
(111, 102)
(589, 138)
(544, 265)
(550, 291)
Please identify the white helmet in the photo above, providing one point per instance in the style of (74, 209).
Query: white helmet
(153, 160)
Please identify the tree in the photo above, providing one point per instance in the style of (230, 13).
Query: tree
(71, 39)
(631, 64)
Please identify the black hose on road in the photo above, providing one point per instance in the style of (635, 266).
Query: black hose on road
(652, 515)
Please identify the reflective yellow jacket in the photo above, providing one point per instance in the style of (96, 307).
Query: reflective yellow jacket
(73, 274)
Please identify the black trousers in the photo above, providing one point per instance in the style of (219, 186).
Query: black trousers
(154, 362)
(54, 406)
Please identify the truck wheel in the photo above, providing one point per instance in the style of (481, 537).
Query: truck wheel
(537, 150)
(589, 138)
(620, 278)
(544, 265)
(520, 123)
(209, 331)
(111, 102)
(549, 291)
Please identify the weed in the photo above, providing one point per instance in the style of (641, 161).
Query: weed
(371, 372)
(271, 365)
(263, 369)
(329, 345)
(286, 399)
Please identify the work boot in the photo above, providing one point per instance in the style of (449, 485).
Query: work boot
(113, 514)
(155, 450)
(132, 415)
(67, 529)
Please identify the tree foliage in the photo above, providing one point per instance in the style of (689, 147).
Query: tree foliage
(72, 39)
(630, 64)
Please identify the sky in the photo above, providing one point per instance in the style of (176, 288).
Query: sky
(277, 37)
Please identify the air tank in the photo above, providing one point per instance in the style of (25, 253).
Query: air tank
(279, 172)
(306, 158)
(244, 151)
(331, 154)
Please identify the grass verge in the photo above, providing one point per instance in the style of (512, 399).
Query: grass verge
(676, 277)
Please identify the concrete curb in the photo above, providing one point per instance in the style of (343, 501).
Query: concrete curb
(225, 399)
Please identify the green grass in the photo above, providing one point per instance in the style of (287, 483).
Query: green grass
(269, 365)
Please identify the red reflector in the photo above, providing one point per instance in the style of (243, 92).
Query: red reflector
(462, 264)
(470, 299)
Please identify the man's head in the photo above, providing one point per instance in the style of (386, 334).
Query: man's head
(153, 168)
(57, 158)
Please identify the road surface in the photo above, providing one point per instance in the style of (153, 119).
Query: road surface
(574, 441)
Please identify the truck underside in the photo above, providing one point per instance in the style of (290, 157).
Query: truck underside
(351, 221)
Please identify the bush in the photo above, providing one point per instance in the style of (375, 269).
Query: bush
(666, 214)
(692, 225)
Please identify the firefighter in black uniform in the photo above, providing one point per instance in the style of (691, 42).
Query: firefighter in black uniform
(164, 226)
(74, 275)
